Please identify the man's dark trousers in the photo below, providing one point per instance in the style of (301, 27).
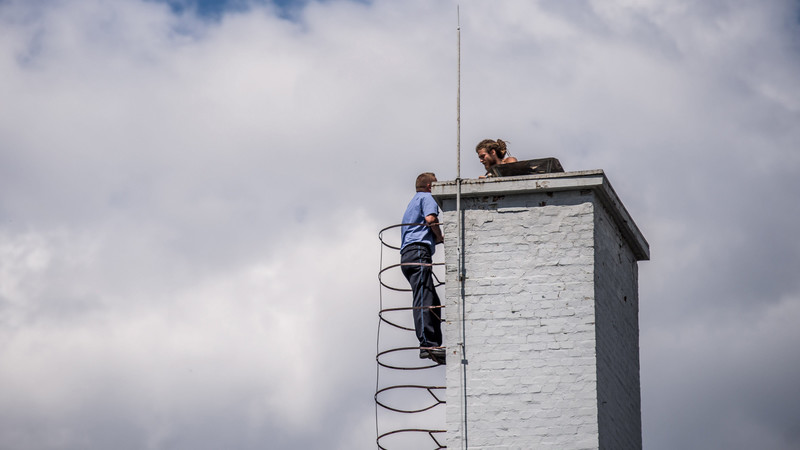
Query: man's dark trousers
(416, 266)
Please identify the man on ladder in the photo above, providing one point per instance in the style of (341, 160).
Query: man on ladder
(419, 235)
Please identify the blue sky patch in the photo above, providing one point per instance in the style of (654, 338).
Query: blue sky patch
(214, 9)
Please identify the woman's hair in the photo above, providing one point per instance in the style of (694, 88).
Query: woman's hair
(498, 146)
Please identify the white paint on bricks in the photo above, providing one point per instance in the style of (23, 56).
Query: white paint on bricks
(551, 315)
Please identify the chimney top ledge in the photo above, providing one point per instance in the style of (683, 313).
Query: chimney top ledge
(594, 180)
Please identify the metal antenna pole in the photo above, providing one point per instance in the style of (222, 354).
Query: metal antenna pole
(460, 243)
(458, 99)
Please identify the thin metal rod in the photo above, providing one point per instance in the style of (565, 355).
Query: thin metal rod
(458, 98)
(460, 244)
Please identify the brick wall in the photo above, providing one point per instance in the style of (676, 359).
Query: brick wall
(551, 321)
(617, 311)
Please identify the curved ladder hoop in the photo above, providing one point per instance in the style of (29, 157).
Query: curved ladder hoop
(400, 349)
(380, 275)
(384, 243)
(430, 433)
(430, 390)
(404, 308)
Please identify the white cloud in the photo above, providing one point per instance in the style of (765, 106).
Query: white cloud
(188, 208)
(277, 343)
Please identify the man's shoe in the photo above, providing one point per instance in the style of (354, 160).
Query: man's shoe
(438, 355)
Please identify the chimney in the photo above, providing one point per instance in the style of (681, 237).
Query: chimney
(542, 333)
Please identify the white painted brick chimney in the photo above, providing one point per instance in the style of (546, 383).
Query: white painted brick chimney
(550, 314)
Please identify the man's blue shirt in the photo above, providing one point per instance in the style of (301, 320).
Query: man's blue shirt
(420, 206)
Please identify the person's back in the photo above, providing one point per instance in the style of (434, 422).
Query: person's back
(415, 228)
(419, 235)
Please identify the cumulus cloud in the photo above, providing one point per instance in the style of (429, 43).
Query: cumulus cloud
(226, 358)
(189, 207)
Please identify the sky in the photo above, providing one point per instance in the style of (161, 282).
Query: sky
(191, 193)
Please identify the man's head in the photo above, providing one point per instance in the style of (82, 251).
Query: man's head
(424, 181)
(491, 152)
